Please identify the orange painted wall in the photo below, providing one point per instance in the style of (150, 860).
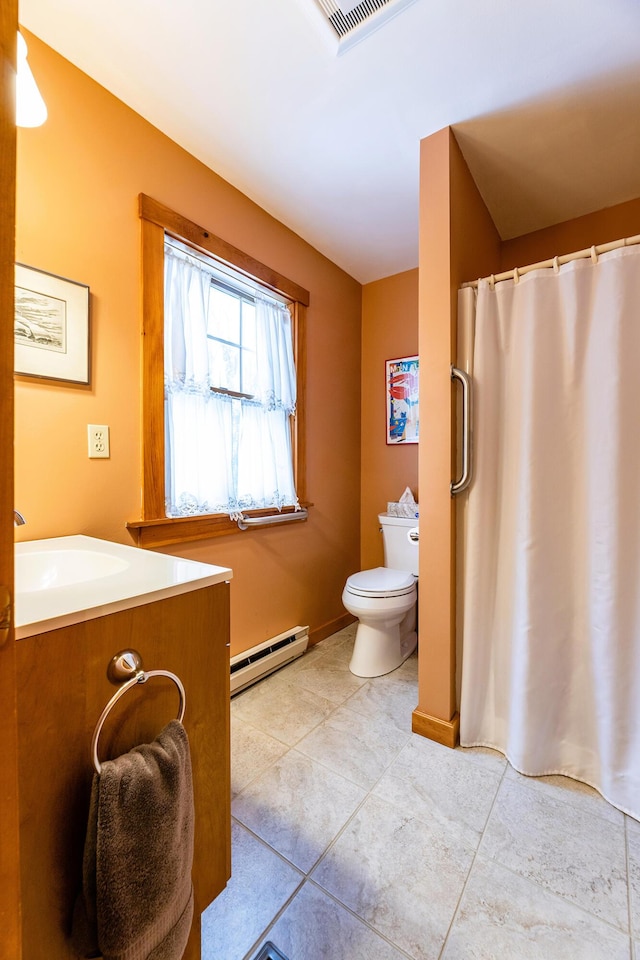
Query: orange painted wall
(389, 330)
(457, 239)
(78, 180)
(603, 226)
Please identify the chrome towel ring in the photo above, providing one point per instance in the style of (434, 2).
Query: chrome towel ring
(126, 668)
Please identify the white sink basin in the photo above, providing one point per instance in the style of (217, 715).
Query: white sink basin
(66, 580)
(60, 568)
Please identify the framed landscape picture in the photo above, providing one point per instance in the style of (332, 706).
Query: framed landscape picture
(51, 328)
(403, 423)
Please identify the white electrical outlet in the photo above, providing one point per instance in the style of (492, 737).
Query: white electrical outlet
(98, 440)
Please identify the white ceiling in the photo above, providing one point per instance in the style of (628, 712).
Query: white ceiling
(544, 98)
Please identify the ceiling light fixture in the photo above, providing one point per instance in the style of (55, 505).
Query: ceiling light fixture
(31, 110)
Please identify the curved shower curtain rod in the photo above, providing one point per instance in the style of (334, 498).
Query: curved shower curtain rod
(556, 262)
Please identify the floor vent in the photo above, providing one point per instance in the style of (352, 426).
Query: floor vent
(251, 665)
(270, 952)
(351, 21)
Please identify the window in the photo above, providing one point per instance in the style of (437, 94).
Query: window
(231, 332)
(230, 392)
(223, 430)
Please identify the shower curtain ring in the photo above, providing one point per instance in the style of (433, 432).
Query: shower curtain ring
(556, 265)
(594, 254)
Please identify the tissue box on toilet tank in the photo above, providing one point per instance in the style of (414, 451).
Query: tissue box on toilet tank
(398, 509)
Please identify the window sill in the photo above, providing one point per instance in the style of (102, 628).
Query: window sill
(168, 530)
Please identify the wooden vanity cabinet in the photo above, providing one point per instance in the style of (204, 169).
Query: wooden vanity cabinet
(62, 690)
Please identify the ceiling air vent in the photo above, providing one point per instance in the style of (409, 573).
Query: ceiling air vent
(351, 21)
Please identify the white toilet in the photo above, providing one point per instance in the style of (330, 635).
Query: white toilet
(384, 601)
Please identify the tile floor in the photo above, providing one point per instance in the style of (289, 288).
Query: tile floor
(354, 839)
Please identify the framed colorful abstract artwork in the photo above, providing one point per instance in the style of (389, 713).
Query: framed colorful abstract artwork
(403, 422)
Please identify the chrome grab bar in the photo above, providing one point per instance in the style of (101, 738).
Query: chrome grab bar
(245, 522)
(457, 486)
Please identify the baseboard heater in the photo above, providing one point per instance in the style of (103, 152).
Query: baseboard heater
(254, 664)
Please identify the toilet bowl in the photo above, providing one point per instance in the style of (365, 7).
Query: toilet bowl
(384, 601)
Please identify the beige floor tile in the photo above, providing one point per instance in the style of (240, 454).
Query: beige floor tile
(338, 639)
(344, 649)
(298, 806)
(571, 791)
(633, 852)
(571, 853)
(329, 676)
(409, 669)
(504, 915)
(485, 757)
(315, 927)
(400, 875)
(281, 709)
(442, 787)
(252, 751)
(260, 885)
(359, 748)
(393, 697)
(550, 879)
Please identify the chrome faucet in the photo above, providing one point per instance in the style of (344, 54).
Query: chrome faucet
(18, 519)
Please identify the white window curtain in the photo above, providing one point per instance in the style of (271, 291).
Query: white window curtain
(551, 637)
(224, 454)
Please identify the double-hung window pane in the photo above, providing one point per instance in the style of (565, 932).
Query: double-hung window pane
(229, 393)
(231, 332)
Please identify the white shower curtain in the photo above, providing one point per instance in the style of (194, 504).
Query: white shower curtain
(551, 635)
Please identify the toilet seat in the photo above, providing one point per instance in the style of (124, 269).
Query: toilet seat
(381, 582)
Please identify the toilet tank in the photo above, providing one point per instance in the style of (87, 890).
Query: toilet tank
(400, 553)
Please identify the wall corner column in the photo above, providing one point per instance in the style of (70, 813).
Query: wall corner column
(458, 242)
(435, 716)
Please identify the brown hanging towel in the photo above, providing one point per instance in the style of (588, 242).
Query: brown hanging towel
(137, 895)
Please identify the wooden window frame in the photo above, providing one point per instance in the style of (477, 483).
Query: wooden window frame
(155, 529)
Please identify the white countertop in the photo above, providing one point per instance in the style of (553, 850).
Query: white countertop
(66, 580)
